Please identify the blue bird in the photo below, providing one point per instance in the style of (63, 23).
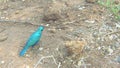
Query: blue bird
(33, 40)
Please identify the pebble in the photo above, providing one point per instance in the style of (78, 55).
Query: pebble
(40, 49)
(23, 0)
(27, 66)
(27, 55)
(47, 24)
(99, 48)
(2, 62)
(81, 7)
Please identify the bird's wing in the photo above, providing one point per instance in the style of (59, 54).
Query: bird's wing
(34, 38)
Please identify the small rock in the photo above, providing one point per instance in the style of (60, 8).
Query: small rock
(23, 0)
(40, 49)
(81, 8)
(99, 48)
(2, 17)
(27, 66)
(2, 62)
(27, 55)
(60, 29)
(3, 37)
(57, 49)
(47, 24)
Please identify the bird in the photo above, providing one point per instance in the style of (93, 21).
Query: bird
(32, 40)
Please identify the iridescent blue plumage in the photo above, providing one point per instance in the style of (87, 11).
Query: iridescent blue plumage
(33, 40)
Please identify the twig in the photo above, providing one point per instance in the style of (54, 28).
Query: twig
(44, 58)
(59, 65)
(112, 33)
(10, 64)
(54, 60)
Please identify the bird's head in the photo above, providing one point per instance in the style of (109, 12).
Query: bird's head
(41, 28)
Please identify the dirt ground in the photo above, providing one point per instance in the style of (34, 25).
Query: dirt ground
(77, 34)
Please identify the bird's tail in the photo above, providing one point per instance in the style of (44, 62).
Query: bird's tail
(23, 51)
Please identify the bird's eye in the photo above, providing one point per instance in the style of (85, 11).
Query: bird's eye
(41, 29)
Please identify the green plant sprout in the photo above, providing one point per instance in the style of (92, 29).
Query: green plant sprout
(110, 5)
